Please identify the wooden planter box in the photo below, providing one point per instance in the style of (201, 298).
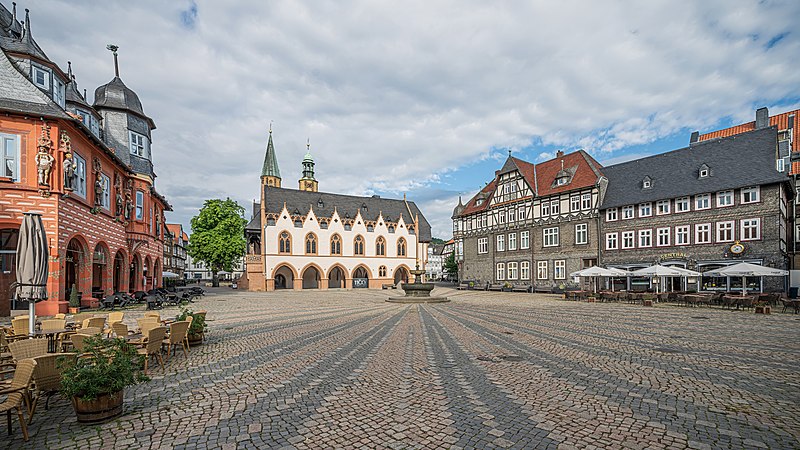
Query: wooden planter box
(100, 409)
(74, 310)
(647, 302)
(763, 309)
(195, 339)
(591, 300)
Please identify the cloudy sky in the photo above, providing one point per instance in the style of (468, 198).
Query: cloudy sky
(424, 97)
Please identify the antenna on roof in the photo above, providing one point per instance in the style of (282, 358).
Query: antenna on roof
(69, 71)
(113, 48)
(270, 127)
(509, 152)
(13, 13)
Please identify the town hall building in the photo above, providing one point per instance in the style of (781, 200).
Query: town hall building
(306, 239)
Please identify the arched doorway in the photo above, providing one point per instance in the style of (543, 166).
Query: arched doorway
(135, 274)
(360, 277)
(336, 278)
(8, 266)
(311, 278)
(118, 272)
(401, 275)
(99, 267)
(72, 266)
(147, 274)
(284, 278)
(157, 282)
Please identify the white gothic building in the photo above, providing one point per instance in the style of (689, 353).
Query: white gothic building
(306, 239)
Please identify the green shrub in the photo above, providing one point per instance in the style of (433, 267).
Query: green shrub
(105, 366)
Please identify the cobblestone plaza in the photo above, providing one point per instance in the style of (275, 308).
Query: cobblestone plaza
(345, 369)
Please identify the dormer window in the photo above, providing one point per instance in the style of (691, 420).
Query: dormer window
(647, 183)
(704, 172)
(320, 203)
(479, 202)
(41, 78)
(561, 181)
(140, 145)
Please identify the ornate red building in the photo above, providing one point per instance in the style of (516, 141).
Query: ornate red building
(86, 168)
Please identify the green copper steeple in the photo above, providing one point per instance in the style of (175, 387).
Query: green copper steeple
(270, 168)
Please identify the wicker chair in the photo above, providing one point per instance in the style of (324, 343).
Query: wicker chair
(46, 379)
(60, 316)
(177, 337)
(186, 339)
(96, 322)
(20, 326)
(120, 329)
(153, 314)
(90, 331)
(29, 348)
(145, 320)
(115, 317)
(17, 394)
(152, 345)
(77, 340)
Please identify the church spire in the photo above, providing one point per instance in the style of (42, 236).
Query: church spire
(270, 173)
(308, 183)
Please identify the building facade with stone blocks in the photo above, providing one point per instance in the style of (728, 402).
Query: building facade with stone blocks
(701, 208)
(306, 239)
(532, 224)
(789, 156)
(91, 182)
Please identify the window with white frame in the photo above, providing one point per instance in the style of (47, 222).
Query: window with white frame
(501, 271)
(59, 92)
(512, 215)
(139, 205)
(611, 241)
(560, 269)
(483, 245)
(105, 181)
(751, 229)
(627, 212)
(645, 238)
(521, 215)
(541, 270)
(702, 201)
(628, 239)
(555, 207)
(725, 231)
(682, 204)
(41, 78)
(525, 270)
(139, 144)
(575, 203)
(662, 207)
(512, 271)
(750, 194)
(797, 233)
(581, 233)
(586, 201)
(545, 209)
(524, 240)
(501, 217)
(646, 209)
(682, 235)
(724, 198)
(80, 175)
(501, 243)
(512, 241)
(10, 156)
(662, 237)
(702, 233)
(550, 237)
(611, 214)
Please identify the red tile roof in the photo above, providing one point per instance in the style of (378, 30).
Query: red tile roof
(174, 229)
(541, 177)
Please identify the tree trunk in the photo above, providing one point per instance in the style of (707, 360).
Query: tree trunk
(214, 279)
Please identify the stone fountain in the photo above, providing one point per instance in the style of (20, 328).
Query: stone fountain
(418, 292)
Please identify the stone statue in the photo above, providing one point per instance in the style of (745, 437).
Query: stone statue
(69, 172)
(44, 165)
(128, 208)
(98, 191)
(118, 210)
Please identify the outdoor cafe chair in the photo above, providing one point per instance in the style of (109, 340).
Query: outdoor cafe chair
(77, 340)
(153, 314)
(152, 345)
(17, 394)
(177, 338)
(46, 379)
(20, 326)
(115, 317)
(60, 316)
(120, 329)
(90, 331)
(29, 348)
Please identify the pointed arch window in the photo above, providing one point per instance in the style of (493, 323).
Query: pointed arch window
(380, 246)
(358, 245)
(285, 243)
(311, 244)
(336, 245)
(382, 271)
(401, 247)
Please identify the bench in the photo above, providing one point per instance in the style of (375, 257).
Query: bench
(463, 286)
(521, 288)
(495, 287)
(388, 286)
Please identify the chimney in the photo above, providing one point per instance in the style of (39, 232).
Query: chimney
(560, 154)
(762, 118)
(695, 137)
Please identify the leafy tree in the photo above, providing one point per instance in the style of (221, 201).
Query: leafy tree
(218, 236)
(437, 241)
(451, 267)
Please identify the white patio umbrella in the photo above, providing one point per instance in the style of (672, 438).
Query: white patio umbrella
(688, 273)
(657, 270)
(745, 270)
(595, 271)
(168, 274)
(32, 259)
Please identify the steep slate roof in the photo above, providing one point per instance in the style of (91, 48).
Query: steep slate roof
(18, 39)
(116, 95)
(18, 94)
(540, 177)
(255, 221)
(270, 167)
(299, 202)
(747, 159)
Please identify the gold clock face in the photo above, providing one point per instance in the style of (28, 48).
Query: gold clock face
(737, 248)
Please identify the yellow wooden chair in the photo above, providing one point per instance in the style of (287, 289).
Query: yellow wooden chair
(152, 345)
(17, 393)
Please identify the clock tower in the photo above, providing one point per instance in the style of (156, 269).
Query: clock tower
(308, 183)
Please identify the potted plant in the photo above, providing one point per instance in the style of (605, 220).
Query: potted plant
(96, 379)
(198, 327)
(471, 285)
(763, 308)
(506, 287)
(74, 300)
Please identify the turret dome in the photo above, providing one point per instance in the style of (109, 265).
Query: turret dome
(116, 95)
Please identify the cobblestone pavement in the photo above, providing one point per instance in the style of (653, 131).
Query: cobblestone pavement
(341, 369)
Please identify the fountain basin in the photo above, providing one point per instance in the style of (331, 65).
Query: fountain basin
(417, 293)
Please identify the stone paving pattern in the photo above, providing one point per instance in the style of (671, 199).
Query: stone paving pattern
(344, 369)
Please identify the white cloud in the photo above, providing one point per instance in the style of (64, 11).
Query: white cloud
(393, 95)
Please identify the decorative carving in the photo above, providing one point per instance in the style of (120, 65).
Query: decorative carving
(118, 201)
(69, 165)
(128, 201)
(44, 160)
(98, 181)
